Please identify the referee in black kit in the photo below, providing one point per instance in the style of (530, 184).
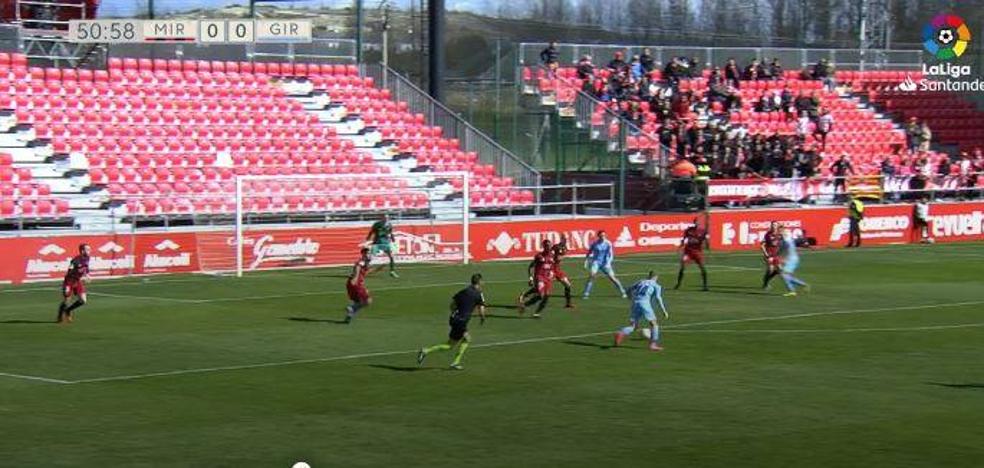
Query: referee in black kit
(462, 306)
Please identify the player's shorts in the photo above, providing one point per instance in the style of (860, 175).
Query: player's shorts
(559, 275)
(357, 292)
(543, 286)
(695, 256)
(642, 312)
(790, 265)
(919, 222)
(73, 288)
(595, 267)
(384, 247)
(458, 329)
(773, 261)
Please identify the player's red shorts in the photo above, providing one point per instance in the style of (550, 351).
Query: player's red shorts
(357, 292)
(773, 261)
(695, 256)
(73, 288)
(543, 285)
(559, 275)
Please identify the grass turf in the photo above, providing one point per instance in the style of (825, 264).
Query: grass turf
(879, 366)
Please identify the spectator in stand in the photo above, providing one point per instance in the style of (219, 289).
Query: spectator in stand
(716, 78)
(912, 131)
(807, 161)
(943, 168)
(753, 71)
(617, 64)
(635, 68)
(731, 73)
(769, 103)
(683, 168)
(825, 124)
(803, 126)
(841, 169)
(775, 69)
(788, 101)
(887, 167)
(925, 136)
(550, 58)
(647, 61)
(694, 70)
(585, 68)
(824, 72)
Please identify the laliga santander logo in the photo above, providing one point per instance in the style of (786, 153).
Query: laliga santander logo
(303, 249)
(946, 37)
(908, 85)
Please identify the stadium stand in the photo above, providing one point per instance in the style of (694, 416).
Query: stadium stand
(862, 106)
(168, 137)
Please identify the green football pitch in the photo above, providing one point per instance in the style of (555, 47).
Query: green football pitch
(882, 364)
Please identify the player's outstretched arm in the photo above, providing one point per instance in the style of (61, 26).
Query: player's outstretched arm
(662, 306)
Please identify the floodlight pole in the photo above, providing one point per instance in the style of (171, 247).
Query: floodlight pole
(358, 31)
(435, 36)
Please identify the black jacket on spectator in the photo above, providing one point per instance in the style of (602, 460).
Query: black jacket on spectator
(585, 69)
(549, 55)
(648, 62)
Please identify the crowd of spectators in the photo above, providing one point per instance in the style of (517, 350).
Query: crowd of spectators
(698, 126)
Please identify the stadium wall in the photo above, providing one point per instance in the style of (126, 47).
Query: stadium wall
(46, 258)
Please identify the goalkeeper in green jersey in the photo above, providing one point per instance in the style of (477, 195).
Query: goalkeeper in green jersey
(381, 235)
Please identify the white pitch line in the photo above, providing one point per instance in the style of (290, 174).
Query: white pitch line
(835, 330)
(34, 377)
(149, 298)
(485, 345)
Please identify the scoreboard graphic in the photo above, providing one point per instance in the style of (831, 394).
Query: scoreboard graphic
(224, 31)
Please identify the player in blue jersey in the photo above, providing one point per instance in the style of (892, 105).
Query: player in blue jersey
(790, 262)
(644, 294)
(599, 258)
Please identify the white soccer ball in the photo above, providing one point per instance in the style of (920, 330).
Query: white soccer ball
(647, 333)
(945, 36)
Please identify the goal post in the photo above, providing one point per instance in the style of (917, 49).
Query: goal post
(321, 220)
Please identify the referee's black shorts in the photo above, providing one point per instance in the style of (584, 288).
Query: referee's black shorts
(458, 329)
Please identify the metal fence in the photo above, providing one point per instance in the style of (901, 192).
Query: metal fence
(791, 58)
(454, 126)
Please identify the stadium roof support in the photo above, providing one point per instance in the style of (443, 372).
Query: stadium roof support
(435, 26)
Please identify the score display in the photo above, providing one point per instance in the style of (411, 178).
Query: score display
(223, 31)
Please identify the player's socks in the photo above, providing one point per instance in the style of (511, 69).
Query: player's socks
(533, 300)
(459, 353)
(440, 347)
(621, 289)
(679, 279)
(703, 277)
(351, 311)
(567, 297)
(78, 303)
(61, 312)
(654, 334)
(543, 305)
(587, 288)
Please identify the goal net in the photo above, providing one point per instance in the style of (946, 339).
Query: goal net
(306, 221)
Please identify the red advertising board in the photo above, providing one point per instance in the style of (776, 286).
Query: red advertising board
(956, 222)
(631, 234)
(45, 258)
(38, 258)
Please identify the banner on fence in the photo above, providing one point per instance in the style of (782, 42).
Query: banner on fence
(46, 258)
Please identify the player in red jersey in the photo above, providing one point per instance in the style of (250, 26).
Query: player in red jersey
(559, 251)
(74, 284)
(692, 244)
(356, 286)
(541, 271)
(770, 250)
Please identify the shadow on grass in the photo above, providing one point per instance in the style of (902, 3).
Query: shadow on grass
(958, 385)
(314, 320)
(26, 322)
(588, 344)
(402, 368)
(510, 317)
(502, 306)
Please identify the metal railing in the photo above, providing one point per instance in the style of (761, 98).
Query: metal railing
(454, 126)
(791, 58)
